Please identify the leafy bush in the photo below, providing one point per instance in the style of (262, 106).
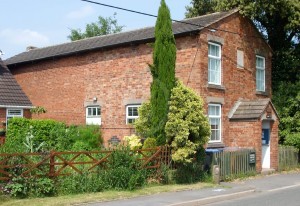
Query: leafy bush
(133, 141)
(122, 172)
(187, 128)
(21, 187)
(143, 123)
(150, 143)
(49, 135)
(80, 183)
(193, 171)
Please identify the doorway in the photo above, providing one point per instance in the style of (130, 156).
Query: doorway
(266, 141)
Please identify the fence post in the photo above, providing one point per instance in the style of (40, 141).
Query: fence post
(51, 165)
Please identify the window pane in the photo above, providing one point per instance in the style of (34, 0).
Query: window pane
(213, 50)
(135, 111)
(259, 62)
(130, 112)
(131, 121)
(14, 112)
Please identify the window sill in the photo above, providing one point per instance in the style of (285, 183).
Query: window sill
(262, 93)
(214, 86)
(215, 145)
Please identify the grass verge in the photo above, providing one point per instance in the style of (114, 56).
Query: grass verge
(100, 196)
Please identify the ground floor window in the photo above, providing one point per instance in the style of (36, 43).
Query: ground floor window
(13, 112)
(93, 115)
(214, 114)
(132, 113)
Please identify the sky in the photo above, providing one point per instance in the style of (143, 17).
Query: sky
(44, 23)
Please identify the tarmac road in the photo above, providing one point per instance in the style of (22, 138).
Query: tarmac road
(283, 189)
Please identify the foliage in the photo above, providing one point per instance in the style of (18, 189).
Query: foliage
(201, 7)
(143, 123)
(290, 121)
(35, 135)
(192, 171)
(80, 183)
(122, 172)
(21, 187)
(30, 144)
(133, 141)
(187, 128)
(287, 101)
(38, 110)
(163, 72)
(103, 26)
(150, 142)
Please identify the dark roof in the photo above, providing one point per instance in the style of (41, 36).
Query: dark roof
(247, 109)
(113, 40)
(11, 93)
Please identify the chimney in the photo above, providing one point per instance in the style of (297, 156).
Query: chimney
(30, 48)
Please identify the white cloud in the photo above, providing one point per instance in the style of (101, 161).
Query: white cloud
(25, 37)
(81, 13)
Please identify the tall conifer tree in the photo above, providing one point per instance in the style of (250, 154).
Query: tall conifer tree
(163, 72)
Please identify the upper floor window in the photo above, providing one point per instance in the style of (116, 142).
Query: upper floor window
(260, 73)
(240, 59)
(11, 113)
(214, 115)
(132, 113)
(214, 63)
(93, 115)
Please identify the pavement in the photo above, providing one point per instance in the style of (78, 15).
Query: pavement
(222, 192)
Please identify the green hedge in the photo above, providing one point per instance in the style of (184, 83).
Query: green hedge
(46, 135)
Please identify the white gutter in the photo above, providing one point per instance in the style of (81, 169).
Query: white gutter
(21, 107)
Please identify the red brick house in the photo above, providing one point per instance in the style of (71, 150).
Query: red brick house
(13, 101)
(103, 80)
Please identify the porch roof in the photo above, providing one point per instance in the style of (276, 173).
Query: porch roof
(250, 109)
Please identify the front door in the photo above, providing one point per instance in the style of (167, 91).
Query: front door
(265, 140)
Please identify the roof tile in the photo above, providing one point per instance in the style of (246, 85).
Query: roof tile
(11, 93)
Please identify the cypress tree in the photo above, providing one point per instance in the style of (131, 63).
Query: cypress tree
(163, 72)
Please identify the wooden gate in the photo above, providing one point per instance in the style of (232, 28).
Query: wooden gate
(53, 164)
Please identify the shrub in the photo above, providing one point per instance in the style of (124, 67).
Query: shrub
(81, 183)
(143, 123)
(123, 172)
(187, 128)
(50, 135)
(150, 143)
(133, 141)
(21, 187)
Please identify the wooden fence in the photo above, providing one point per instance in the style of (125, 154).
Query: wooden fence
(53, 164)
(288, 158)
(235, 163)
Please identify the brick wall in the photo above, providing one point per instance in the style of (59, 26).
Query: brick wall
(121, 75)
(247, 134)
(274, 145)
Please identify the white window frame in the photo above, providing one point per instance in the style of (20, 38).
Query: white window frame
(219, 117)
(9, 115)
(133, 117)
(93, 119)
(218, 59)
(260, 71)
